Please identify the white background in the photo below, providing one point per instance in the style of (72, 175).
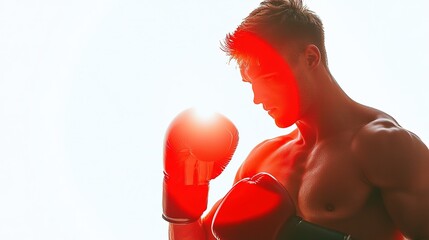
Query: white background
(88, 88)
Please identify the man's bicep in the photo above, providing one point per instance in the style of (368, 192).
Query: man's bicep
(409, 211)
(397, 163)
(408, 202)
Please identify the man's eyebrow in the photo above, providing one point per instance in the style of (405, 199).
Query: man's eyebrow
(262, 76)
(267, 75)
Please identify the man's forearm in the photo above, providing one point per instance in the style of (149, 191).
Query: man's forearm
(191, 231)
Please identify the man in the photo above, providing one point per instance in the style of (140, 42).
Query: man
(347, 167)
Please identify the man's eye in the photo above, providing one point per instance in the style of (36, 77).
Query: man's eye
(269, 76)
(268, 79)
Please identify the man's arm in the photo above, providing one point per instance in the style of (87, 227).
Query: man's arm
(199, 230)
(202, 229)
(396, 162)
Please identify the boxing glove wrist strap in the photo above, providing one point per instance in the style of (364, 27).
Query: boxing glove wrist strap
(298, 229)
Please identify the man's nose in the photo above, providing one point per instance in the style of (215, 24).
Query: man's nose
(256, 98)
(256, 95)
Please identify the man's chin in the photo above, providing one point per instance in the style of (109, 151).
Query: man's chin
(283, 123)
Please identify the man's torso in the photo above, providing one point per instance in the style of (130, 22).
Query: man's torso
(325, 182)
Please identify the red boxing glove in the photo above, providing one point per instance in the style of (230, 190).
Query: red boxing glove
(255, 208)
(196, 150)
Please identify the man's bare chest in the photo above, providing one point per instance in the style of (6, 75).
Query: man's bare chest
(324, 181)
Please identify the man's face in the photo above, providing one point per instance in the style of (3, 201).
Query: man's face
(275, 87)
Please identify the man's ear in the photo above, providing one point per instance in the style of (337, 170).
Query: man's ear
(312, 55)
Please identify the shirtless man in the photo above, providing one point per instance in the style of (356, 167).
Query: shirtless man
(346, 166)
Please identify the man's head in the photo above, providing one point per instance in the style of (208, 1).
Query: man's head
(274, 47)
(287, 25)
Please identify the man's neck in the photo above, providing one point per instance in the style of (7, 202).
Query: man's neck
(331, 111)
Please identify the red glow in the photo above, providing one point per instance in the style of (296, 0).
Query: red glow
(258, 58)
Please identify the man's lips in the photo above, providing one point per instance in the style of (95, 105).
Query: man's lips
(270, 110)
(266, 108)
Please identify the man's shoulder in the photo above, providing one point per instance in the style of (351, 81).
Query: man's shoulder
(273, 143)
(379, 135)
(261, 152)
(383, 149)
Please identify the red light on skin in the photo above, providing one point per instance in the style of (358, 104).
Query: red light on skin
(273, 82)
